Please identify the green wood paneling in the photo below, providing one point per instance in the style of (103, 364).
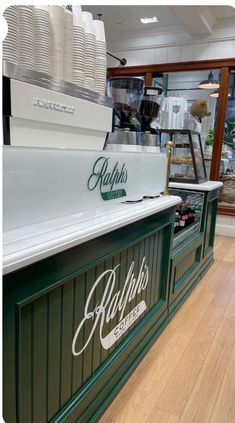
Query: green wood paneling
(210, 226)
(51, 296)
(54, 350)
(87, 363)
(77, 362)
(160, 285)
(25, 365)
(39, 339)
(116, 262)
(97, 357)
(112, 375)
(10, 350)
(67, 337)
(184, 265)
(149, 259)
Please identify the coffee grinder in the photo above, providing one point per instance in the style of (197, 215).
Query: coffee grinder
(126, 94)
(149, 111)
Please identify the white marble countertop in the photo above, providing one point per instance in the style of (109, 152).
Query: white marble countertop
(28, 244)
(204, 186)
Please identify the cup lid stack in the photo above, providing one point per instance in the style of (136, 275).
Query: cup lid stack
(89, 72)
(43, 43)
(78, 48)
(57, 16)
(52, 40)
(10, 46)
(26, 36)
(68, 50)
(100, 57)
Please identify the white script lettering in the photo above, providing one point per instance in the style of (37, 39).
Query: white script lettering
(110, 303)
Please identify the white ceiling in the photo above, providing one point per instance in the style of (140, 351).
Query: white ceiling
(196, 20)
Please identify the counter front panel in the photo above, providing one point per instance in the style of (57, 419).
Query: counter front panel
(82, 320)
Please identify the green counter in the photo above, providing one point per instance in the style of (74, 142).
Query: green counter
(54, 369)
(76, 324)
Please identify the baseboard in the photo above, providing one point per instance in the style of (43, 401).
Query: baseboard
(225, 230)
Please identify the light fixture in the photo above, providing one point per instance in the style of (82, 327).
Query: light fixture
(209, 83)
(149, 20)
(216, 94)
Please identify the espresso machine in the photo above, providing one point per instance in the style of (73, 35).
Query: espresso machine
(126, 94)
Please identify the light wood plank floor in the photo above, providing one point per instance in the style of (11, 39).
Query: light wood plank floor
(188, 376)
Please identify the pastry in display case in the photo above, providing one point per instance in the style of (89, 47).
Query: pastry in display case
(188, 216)
(187, 161)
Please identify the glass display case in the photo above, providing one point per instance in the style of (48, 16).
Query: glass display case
(187, 161)
(188, 216)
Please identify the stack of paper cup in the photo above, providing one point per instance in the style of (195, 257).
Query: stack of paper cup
(57, 16)
(43, 46)
(78, 47)
(26, 36)
(100, 57)
(68, 42)
(89, 71)
(10, 46)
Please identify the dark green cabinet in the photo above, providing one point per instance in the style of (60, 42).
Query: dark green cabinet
(76, 324)
(185, 265)
(191, 260)
(210, 221)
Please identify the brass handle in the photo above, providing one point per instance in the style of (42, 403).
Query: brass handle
(169, 146)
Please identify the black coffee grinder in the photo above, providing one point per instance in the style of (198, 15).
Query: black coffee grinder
(126, 94)
(149, 108)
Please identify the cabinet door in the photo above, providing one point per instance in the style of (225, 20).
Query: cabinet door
(210, 220)
(185, 264)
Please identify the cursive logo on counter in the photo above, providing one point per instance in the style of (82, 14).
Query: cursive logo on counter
(53, 105)
(110, 304)
(106, 179)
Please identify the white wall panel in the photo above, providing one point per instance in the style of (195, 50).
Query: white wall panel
(200, 51)
(184, 53)
(161, 55)
(148, 56)
(173, 54)
(187, 53)
(214, 50)
(228, 49)
(133, 57)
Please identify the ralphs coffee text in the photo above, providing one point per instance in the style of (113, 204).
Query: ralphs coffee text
(112, 303)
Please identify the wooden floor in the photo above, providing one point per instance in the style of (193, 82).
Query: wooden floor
(188, 376)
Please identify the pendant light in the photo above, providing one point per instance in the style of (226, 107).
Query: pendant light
(216, 94)
(209, 83)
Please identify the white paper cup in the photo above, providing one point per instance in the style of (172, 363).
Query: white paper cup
(99, 30)
(88, 23)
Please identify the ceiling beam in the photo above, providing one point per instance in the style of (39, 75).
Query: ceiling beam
(197, 20)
